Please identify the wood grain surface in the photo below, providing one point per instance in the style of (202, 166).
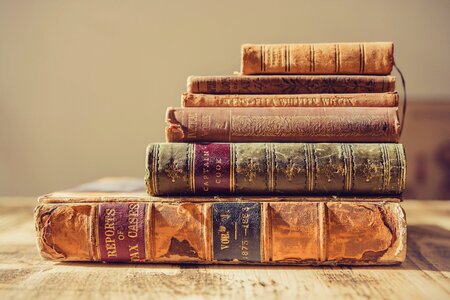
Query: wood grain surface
(424, 275)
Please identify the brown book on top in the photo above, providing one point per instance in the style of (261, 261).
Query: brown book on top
(118, 224)
(331, 58)
(290, 84)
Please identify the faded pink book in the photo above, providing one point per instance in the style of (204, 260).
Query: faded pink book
(276, 124)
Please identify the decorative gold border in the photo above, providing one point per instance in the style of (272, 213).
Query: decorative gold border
(191, 166)
(262, 231)
(95, 237)
(155, 157)
(310, 167)
(147, 170)
(351, 167)
(211, 231)
(271, 166)
(232, 168)
(386, 167)
(147, 232)
(401, 184)
(153, 232)
(347, 167)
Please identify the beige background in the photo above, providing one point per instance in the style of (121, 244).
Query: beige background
(84, 84)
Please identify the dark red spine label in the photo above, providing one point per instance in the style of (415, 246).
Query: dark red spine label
(212, 169)
(121, 231)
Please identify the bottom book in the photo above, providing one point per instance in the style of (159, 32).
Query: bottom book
(115, 226)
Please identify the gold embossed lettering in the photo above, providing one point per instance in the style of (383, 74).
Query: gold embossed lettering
(134, 252)
(224, 238)
(133, 220)
(218, 170)
(110, 242)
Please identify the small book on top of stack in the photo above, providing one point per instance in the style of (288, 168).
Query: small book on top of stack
(294, 161)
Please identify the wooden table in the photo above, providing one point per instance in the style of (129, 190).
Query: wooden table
(424, 275)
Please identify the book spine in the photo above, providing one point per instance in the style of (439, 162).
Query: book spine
(290, 100)
(275, 168)
(290, 84)
(336, 58)
(302, 124)
(317, 233)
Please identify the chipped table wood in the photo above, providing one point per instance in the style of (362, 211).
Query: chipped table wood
(424, 275)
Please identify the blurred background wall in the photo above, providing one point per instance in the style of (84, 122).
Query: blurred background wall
(84, 85)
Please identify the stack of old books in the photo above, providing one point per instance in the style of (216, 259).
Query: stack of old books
(294, 161)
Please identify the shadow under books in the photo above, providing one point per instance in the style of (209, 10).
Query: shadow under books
(428, 249)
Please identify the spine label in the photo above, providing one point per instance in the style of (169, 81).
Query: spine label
(121, 231)
(237, 231)
(212, 168)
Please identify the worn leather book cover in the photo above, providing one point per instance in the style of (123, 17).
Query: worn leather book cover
(133, 227)
(282, 124)
(275, 168)
(290, 84)
(332, 58)
(290, 100)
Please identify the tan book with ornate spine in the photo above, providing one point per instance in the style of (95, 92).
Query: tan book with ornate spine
(133, 227)
(290, 100)
(290, 84)
(331, 58)
(283, 124)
